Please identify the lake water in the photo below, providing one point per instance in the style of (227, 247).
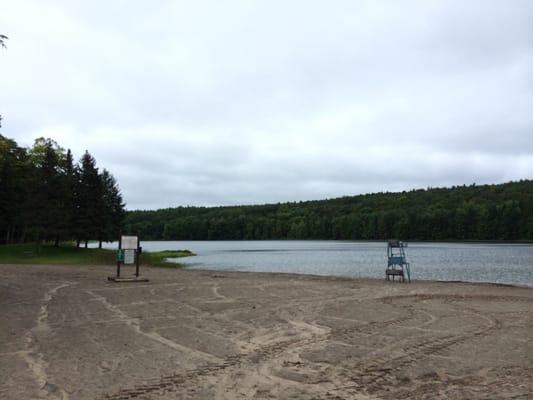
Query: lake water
(499, 263)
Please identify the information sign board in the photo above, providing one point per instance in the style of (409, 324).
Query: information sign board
(129, 242)
(129, 256)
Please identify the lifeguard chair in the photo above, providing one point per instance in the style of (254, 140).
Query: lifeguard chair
(397, 265)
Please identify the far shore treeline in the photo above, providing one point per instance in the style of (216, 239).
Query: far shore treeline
(46, 197)
(487, 212)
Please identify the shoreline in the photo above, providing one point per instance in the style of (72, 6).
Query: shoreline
(472, 241)
(342, 277)
(183, 267)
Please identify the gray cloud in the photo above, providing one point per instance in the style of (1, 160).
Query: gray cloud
(239, 102)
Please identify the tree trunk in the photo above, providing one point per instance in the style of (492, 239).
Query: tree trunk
(56, 242)
(78, 241)
(100, 244)
(86, 243)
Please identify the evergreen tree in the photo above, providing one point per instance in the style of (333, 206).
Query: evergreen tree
(113, 212)
(68, 207)
(15, 185)
(89, 199)
(44, 196)
(46, 156)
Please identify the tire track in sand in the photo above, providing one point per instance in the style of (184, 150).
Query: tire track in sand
(154, 336)
(33, 357)
(373, 373)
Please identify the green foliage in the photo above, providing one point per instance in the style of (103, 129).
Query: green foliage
(159, 258)
(64, 255)
(487, 212)
(45, 197)
(90, 199)
(71, 255)
(112, 208)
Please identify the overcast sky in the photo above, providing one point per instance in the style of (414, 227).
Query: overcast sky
(241, 102)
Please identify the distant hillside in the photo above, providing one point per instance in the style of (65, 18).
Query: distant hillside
(487, 212)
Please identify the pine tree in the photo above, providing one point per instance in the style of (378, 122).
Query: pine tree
(113, 208)
(89, 200)
(46, 199)
(66, 228)
(15, 172)
(44, 196)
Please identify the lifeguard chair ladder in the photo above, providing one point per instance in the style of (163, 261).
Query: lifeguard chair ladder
(397, 264)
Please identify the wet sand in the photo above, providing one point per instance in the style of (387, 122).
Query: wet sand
(67, 333)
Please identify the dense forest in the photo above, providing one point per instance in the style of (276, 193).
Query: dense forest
(487, 212)
(46, 197)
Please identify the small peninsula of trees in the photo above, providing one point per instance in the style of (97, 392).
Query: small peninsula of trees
(46, 197)
(487, 212)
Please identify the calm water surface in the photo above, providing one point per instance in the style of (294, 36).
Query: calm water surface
(500, 263)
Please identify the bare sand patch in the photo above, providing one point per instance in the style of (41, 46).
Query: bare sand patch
(67, 333)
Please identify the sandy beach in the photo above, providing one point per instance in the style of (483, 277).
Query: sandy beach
(68, 333)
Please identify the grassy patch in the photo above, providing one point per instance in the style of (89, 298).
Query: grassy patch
(71, 255)
(45, 254)
(159, 258)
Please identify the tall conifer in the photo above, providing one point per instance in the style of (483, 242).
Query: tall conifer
(89, 199)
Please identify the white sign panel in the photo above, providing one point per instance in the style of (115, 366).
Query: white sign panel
(129, 256)
(129, 242)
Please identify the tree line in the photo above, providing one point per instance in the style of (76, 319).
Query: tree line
(486, 212)
(46, 197)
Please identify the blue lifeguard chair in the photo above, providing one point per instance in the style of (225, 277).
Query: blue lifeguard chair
(397, 265)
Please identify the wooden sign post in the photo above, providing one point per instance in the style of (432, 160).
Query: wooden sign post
(129, 253)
